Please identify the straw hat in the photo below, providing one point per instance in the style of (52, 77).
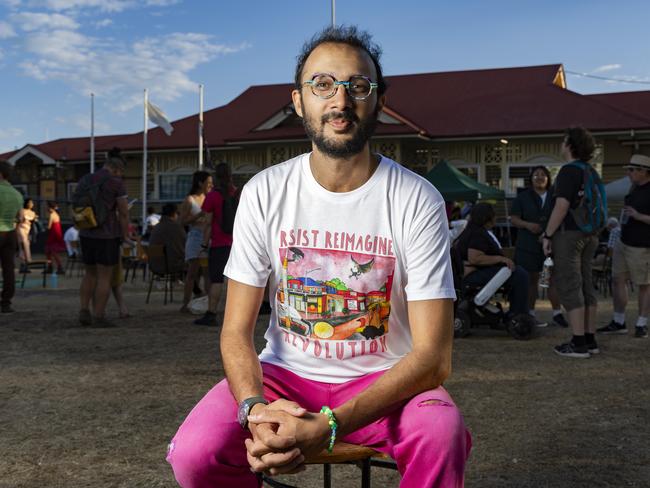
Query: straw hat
(639, 161)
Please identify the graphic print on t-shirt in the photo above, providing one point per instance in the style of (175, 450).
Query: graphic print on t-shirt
(328, 294)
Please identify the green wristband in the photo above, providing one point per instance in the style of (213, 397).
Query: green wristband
(333, 425)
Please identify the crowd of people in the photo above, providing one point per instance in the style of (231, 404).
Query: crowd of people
(548, 225)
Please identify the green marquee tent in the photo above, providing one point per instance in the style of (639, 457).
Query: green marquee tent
(457, 186)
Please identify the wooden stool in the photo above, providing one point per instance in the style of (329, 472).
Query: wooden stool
(344, 453)
(40, 263)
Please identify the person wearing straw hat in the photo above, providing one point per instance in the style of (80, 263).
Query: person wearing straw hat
(631, 258)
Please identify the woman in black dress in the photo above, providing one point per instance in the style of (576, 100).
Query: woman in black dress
(530, 211)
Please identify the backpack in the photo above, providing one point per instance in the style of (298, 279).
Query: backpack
(88, 208)
(228, 212)
(591, 213)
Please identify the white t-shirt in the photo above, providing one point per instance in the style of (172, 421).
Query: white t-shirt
(71, 235)
(152, 220)
(349, 261)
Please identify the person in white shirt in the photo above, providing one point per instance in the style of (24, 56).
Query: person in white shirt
(150, 221)
(355, 249)
(71, 239)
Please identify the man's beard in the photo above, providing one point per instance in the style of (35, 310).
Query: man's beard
(342, 149)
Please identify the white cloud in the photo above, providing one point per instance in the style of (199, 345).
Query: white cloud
(117, 71)
(6, 30)
(10, 3)
(607, 67)
(103, 23)
(31, 21)
(82, 122)
(10, 133)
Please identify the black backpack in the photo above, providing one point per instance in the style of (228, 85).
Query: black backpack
(88, 208)
(228, 212)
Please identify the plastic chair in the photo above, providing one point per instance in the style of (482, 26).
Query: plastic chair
(364, 457)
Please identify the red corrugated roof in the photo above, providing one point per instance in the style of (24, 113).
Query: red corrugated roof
(68, 149)
(637, 102)
(475, 103)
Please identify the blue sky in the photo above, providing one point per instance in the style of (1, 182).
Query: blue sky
(53, 53)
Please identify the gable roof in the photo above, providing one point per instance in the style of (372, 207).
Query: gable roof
(65, 149)
(445, 105)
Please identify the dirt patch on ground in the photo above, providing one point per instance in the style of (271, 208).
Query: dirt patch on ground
(96, 407)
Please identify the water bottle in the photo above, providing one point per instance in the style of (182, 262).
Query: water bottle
(54, 279)
(624, 216)
(545, 276)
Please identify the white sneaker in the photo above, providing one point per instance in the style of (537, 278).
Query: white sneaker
(540, 323)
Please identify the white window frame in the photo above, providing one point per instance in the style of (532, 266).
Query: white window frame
(181, 172)
(538, 162)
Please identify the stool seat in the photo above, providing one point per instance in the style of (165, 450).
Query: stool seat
(344, 453)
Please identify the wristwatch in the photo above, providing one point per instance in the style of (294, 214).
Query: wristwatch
(546, 236)
(245, 407)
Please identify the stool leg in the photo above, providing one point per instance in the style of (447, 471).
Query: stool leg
(365, 473)
(327, 476)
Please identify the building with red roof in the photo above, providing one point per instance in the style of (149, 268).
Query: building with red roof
(493, 124)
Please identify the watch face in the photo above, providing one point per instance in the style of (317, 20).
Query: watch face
(242, 414)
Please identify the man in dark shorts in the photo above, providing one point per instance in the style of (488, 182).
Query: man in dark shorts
(100, 247)
(572, 249)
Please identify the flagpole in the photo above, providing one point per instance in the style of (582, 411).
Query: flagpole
(200, 127)
(92, 132)
(144, 158)
(333, 13)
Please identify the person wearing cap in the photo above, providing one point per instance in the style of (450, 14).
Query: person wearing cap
(631, 258)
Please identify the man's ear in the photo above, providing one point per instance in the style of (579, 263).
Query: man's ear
(297, 102)
(381, 103)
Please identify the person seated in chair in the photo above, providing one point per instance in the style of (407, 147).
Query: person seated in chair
(171, 234)
(483, 258)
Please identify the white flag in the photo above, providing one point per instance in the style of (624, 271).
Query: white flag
(159, 118)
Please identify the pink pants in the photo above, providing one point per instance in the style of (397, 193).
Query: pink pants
(427, 437)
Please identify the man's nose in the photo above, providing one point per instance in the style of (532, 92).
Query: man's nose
(341, 98)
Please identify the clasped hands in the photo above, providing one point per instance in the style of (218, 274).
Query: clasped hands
(284, 434)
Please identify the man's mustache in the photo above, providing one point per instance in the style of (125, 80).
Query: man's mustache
(347, 115)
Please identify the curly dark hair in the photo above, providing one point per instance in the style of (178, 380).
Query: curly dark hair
(349, 35)
(580, 142)
(481, 214)
(546, 172)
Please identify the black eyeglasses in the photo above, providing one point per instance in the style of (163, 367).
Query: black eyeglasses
(325, 86)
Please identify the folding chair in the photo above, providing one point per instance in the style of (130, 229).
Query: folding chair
(39, 263)
(73, 260)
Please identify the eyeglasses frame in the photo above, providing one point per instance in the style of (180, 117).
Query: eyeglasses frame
(337, 83)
